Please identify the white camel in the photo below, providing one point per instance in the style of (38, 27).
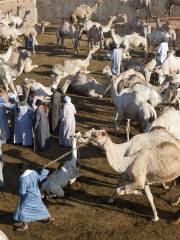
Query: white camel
(148, 158)
(72, 66)
(131, 105)
(86, 85)
(84, 12)
(169, 119)
(170, 67)
(68, 173)
(68, 30)
(8, 74)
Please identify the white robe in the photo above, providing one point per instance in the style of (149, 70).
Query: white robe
(67, 125)
(116, 61)
(163, 49)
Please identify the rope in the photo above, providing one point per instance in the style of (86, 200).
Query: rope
(65, 155)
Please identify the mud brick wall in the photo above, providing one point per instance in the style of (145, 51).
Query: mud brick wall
(56, 9)
(13, 4)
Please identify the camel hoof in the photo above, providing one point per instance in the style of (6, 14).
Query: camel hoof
(110, 200)
(174, 203)
(155, 219)
(120, 191)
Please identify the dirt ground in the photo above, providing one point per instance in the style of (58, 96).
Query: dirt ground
(84, 213)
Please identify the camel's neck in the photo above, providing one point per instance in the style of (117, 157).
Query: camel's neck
(114, 37)
(115, 155)
(109, 25)
(74, 153)
(94, 8)
(114, 91)
(9, 52)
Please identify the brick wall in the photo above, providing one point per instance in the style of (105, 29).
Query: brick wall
(56, 9)
(13, 4)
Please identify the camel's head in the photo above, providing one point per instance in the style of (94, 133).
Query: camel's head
(24, 53)
(107, 71)
(99, 2)
(96, 137)
(112, 18)
(79, 139)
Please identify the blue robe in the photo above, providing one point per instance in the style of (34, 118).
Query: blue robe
(4, 118)
(31, 206)
(2, 141)
(23, 126)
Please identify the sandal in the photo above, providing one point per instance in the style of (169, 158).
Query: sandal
(48, 221)
(20, 229)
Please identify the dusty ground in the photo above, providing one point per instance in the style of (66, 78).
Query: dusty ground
(84, 213)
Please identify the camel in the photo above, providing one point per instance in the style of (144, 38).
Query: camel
(28, 85)
(131, 41)
(5, 57)
(28, 66)
(137, 159)
(8, 74)
(86, 85)
(169, 5)
(18, 20)
(170, 67)
(84, 12)
(142, 4)
(169, 119)
(71, 67)
(131, 105)
(68, 173)
(166, 28)
(97, 32)
(68, 30)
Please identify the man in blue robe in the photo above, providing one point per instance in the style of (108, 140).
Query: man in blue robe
(31, 207)
(2, 141)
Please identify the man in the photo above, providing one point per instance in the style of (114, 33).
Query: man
(31, 207)
(68, 123)
(116, 59)
(162, 51)
(2, 141)
(41, 127)
(55, 110)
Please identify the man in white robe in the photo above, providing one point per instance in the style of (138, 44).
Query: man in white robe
(162, 51)
(116, 59)
(68, 123)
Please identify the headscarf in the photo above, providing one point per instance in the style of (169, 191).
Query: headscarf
(67, 99)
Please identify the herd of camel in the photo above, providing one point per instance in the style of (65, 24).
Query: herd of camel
(148, 158)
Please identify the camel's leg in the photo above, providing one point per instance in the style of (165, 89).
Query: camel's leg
(128, 129)
(92, 93)
(165, 186)
(65, 86)
(151, 201)
(177, 202)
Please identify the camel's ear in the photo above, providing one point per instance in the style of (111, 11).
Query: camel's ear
(104, 133)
